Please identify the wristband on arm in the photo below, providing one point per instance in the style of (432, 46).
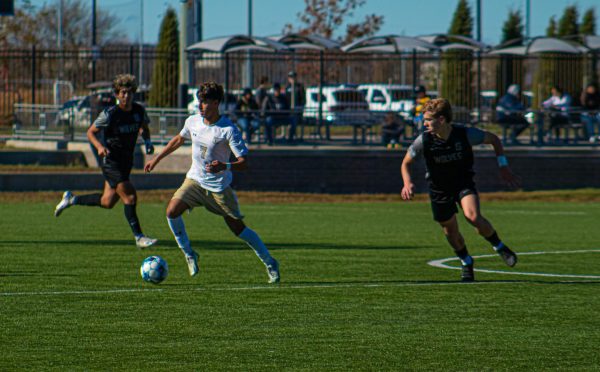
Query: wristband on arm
(502, 161)
(228, 166)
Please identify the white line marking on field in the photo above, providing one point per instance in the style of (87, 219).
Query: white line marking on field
(442, 264)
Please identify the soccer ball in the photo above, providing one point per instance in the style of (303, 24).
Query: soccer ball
(154, 269)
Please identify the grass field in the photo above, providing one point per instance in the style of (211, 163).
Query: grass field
(357, 292)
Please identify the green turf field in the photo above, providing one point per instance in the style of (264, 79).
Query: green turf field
(357, 292)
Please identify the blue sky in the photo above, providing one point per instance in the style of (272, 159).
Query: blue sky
(407, 17)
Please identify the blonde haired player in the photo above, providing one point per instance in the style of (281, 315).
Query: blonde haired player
(214, 138)
(448, 153)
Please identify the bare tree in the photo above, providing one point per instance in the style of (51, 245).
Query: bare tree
(325, 17)
(38, 26)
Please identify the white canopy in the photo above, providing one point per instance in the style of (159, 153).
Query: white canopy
(237, 43)
(314, 42)
(543, 45)
(389, 44)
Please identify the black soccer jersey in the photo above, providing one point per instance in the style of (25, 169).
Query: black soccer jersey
(121, 129)
(449, 162)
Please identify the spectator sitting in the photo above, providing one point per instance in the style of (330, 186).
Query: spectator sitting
(246, 110)
(392, 128)
(558, 104)
(510, 112)
(421, 98)
(590, 101)
(276, 109)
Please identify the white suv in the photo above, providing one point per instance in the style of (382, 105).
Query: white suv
(341, 105)
(389, 97)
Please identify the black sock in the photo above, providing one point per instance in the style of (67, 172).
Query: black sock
(494, 239)
(464, 256)
(132, 218)
(88, 199)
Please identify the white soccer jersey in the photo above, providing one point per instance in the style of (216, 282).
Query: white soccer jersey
(212, 142)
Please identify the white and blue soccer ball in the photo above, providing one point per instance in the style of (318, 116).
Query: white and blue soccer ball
(154, 269)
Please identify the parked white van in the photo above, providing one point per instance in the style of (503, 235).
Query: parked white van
(391, 97)
(341, 105)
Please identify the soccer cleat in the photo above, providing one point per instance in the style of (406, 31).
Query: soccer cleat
(65, 202)
(273, 272)
(192, 262)
(145, 241)
(509, 257)
(467, 274)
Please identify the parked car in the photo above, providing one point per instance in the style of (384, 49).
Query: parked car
(66, 110)
(341, 105)
(391, 97)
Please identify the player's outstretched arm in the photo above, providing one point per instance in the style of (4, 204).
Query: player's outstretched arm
(173, 145)
(506, 173)
(240, 164)
(409, 187)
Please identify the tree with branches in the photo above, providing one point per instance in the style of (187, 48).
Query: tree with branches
(326, 17)
(588, 22)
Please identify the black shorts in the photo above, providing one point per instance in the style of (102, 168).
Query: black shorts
(115, 173)
(443, 203)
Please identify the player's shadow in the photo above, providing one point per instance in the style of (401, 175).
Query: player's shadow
(212, 245)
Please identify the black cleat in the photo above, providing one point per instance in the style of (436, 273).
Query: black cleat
(509, 257)
(467, 274)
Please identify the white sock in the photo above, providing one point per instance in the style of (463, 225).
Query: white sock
(178, 229)
(254, 241)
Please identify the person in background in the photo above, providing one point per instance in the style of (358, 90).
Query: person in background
(296, 96)
(590, 102)
(246, 111)
(421, 98)
(276, 109)
(510, 112)
(392, 128)
(558, 104)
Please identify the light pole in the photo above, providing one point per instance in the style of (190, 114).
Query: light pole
(249, 69)
(141, 62)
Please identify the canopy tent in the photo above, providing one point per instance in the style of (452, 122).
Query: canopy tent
(541, 45)
(310, 42)
(236, 43)
(452, 42)
(389, 44)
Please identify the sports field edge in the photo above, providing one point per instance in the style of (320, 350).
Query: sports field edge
(272, 197)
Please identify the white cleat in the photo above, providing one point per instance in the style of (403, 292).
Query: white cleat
(145, 241)
(65, 202)
(192, 262)
(273, 272)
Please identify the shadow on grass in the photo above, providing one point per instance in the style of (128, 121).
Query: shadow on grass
(211, 245)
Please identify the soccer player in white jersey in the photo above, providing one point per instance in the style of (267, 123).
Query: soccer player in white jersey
(214, 138)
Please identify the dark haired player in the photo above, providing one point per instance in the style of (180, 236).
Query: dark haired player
(448, 153)
(121, 125)
(214, 139)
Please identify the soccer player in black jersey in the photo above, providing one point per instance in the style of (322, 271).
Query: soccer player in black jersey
(121, 125)
(448, 153)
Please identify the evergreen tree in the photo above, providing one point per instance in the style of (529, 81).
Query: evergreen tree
(165, 75)
(588, 23)
(567, 25)
(456, 66)
(513, 26)
(551, 29)
(462, 21)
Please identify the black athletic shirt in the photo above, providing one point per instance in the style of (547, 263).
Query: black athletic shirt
(449, 162)
(121, 129)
